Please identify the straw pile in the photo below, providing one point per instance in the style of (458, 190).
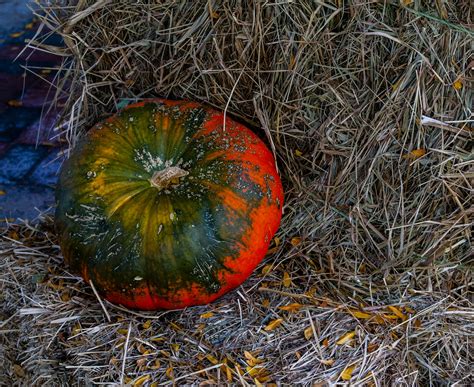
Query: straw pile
(367, 106)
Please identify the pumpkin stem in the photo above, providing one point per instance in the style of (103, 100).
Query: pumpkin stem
(162, 179)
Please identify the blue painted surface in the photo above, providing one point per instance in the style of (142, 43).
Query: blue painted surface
(24, 202)
(18, 161)
(14, 121)
(28, 162)
(46, 173)
(12, 14)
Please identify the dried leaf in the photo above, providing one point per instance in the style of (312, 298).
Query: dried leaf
(273, 324)
(328, 362)
(146, 324)
(347, 373)
(346, 338)
(228, 372)
(252, 360)
(156, 365)
(359, 314)
(457, 84)
(372, 347)
(266, 269)
(141, 380)
(295, 307)
(298, 153)
(15, 103)
(286, 280)
(265, 378)
(379, 320)
(169, 372)
(207, 315)
(417, 324)
(19, 371)
(326, 342)
(398, 312)
(308, 332)
(415, 153)
(410, 310)
(252, 371)
(212, 359)
(295, 241)
(277, 241)
(16, 34)
(265, 302)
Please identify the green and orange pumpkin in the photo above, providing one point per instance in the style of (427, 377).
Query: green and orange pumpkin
(167, 204)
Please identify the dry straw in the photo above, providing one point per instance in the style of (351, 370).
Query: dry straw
(368, 108)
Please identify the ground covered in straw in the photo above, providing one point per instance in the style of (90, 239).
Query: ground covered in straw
(367, 107)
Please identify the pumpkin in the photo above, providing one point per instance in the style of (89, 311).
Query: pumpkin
(167, 204)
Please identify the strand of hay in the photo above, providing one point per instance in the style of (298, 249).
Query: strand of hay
(368, 107)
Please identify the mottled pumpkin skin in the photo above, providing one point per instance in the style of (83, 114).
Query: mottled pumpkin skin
(188, 244)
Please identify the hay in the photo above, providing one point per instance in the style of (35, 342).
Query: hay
(368, 109)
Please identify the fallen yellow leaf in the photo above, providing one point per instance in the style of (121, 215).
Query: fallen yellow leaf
(141, 380)
(295, 307)
(308, 332)
(169, 372)
(328, 362)
(156, 365)
(359, 314)
(277, 241)
(212, 359)
(15, 103)
(379, 320)
(372, 347)
(415, 153)
(286, 280)
(398, 312)
(346, 338)
(147, 324)
(207, 315)
(16, 34)
(298, 153)
(326, 342)
(457, 84)
(273, 324)
(295, 241)
(252, 360)
(266, 303)
(252, 371)
(266, 269)
(347, 373)
(228, 372)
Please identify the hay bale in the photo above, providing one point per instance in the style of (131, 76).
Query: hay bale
(367, 107)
